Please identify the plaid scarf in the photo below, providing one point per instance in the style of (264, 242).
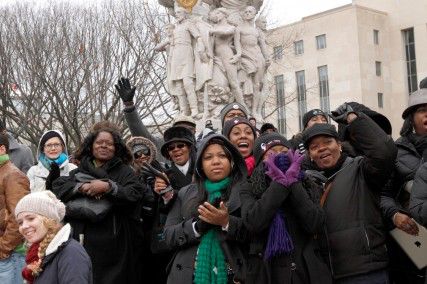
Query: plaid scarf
(210, 261)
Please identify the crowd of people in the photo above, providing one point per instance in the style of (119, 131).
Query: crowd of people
(236, 205)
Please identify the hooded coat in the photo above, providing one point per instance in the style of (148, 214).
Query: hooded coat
(179, 232)
(37, 174)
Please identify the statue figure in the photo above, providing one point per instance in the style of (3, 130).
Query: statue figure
(261, 24)
(187, 44)
(254, 58)
(224, 36)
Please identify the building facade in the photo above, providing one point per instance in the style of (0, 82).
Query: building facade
(371, 52)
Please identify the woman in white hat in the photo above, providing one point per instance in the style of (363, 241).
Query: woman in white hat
(53, 256)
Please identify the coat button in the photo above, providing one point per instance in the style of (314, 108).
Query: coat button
(179, 266)
(293, 266)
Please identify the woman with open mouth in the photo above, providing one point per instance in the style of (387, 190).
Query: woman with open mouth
(242, 135)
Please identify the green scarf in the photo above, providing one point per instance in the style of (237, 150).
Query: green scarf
(210, 261)
(3, 159)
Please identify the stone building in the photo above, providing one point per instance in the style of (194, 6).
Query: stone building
(372, 52)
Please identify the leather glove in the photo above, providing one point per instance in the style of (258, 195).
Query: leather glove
(340, 114)
(202, 227)
(125, 90)
(54, 173)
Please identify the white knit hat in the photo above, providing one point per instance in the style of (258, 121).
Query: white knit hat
(43, 203)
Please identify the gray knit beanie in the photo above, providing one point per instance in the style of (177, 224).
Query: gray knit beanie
(43, 203)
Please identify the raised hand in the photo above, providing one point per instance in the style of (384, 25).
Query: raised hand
(125, 90)
(340, 114)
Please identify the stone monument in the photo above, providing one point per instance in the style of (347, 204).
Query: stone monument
(216, 55)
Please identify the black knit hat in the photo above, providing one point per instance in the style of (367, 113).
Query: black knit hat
(233, 122)
(229, 107)
(312, 113)
(47, 135)
(318, 129)
(266, 126)
(176, 134)
(266, 141)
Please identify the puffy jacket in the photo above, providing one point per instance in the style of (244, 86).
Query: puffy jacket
(418, 201)
(355, 238)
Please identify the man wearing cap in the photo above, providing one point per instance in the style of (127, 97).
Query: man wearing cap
(20, 154)
(232, 110)
(354, 241)
(13, 186)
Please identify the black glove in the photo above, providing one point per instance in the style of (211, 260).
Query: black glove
(54, 173)
(125, 90)
(202, 227)
(340, 114)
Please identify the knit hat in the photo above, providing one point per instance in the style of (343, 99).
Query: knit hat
(235, 121)
(318, 129)
(267, 141)
(229, 107)
(137, 143)
(416, 98)
(43, 203)
(46, 136)
(312, 113)
(176, 134)
(266, 126)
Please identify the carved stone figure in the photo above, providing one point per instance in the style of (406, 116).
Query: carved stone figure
(254, 57)
(224, 36)
(182, 62)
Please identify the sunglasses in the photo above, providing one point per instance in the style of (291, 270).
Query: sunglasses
(145, 152)
(172, 147)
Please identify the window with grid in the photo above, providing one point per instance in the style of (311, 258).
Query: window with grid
(376, 37)
(378, 68)
(278, 52)
(323, 88)
(380, 100)
(411, 64)
(299, 47)
(280, 98)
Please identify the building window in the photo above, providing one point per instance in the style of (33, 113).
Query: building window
(299, 47)
(321, 41)
(280, 97)
(278, 52)
(323, 88)
(302, 99)
(380, 100)
(376, 37)
(411, 64)
(378, 68)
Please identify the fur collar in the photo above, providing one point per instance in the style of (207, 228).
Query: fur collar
(61, 237)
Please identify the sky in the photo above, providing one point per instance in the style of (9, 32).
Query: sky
(280, 11)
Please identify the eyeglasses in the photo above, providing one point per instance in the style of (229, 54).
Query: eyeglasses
(172, 147)
(52, 146)
(145, 152)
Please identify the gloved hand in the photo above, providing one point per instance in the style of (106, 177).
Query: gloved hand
(293, 173)
(125, 90)
(340, 114)
(54, 173)
(202, 227)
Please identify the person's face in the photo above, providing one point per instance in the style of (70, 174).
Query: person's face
(253, 122)
(275, 150)
(243, 138)
(316, 119)
(142, 156)
(103, 148)
(249, 13)
(420, 120)
(215, 163)
(324, 151)
(31, 226)
(179, 153)
(233, 113)
(262, 23)
(53, 148)
(180, 15)
(3, 150)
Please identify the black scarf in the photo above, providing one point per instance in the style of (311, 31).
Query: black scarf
(333, 170)
(419, 142)
(87, 166)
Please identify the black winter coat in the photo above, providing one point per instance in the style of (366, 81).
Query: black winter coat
(180, 236)
(355, 236)
(418, 201)
(303, 219)
(108, 242)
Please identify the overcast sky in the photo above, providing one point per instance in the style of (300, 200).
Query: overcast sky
(279, 11)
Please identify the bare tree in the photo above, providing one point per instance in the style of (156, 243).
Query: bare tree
(65, 60)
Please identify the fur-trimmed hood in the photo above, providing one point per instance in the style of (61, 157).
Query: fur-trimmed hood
(144, 141)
